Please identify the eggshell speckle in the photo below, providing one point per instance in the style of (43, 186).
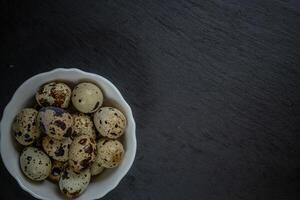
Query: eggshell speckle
(73, 184)
(110, 122)
(55, 122)
(83, 125)
(109, 153)
(57, 149)
(87, 97)
(35, 164)
(82, 153)
(54, 94)
(56, 170)
(25, 126)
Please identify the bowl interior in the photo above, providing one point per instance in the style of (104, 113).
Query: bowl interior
(23, 97)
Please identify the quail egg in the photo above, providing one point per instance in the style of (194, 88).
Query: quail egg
(55, 122)
(25, 126)
(83, 125)
(82, 153)
(110, 122)
(54, 94)
(87, 97)
(56, 170)
(35, 164)
(73, 184)
(109, 153)
(57, 149)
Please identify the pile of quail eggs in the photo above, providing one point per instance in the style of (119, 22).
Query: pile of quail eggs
(69, 136)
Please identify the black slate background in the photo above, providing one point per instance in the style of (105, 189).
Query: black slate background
(214, 87)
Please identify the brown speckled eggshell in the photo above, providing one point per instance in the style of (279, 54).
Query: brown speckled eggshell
(35, 164)
(110, 122)
(25, 126)
(97, 167)
(73, 184)
(55, 122)
(56, 170)
(109, 153)
(54, 94)
(87, 97)
(57, 149)
(83, 125)
(82, 153)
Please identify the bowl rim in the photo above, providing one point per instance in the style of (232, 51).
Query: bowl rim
(134, 142)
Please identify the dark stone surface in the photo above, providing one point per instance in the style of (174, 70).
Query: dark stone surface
(214, 87)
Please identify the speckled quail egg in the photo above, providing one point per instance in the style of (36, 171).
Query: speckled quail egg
(109, 153)
(82, 153)
(56, 170)
(97, 167)
(57, 149)
(83, 125)
(87, 97)
(73, 184)
(54, 94)
(35, 164)
(55, 122)
(25, 126)
(110, 122)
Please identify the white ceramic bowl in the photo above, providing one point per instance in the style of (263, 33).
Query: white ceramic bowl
(23, 97)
